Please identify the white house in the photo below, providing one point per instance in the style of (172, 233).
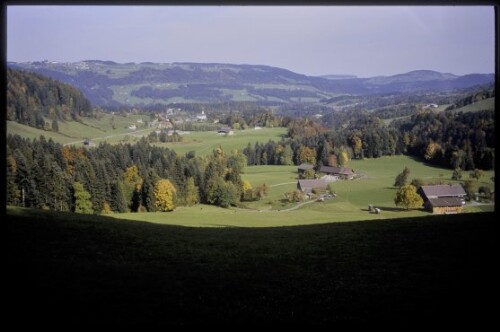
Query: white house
(202, 116)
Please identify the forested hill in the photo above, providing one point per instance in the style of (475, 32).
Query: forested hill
(108, 83)
(40, 101)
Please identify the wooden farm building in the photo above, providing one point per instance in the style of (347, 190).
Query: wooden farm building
(307, 186)
(226, 131)
(341, 172)
(443, 199)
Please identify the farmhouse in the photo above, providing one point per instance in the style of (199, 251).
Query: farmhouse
(226, 131)
(443, 199)
(88, 142)
(304, 167)
(341, 172)
(307, 186)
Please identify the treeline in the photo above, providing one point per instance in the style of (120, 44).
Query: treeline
(332, 148)
(245, 120)
(462, 141)
(32, 97)
(120, 178)
(458, 140)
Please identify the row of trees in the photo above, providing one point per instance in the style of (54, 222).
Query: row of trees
(120, 178)
(463, 141)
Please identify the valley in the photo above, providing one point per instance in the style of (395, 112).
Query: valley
(241, 158)
(173, 165)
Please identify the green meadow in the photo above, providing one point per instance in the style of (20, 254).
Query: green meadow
(99, 130)
(204, 142)
(375, 186)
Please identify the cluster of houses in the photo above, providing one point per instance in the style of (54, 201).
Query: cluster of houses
(330, 174)
(438, 199)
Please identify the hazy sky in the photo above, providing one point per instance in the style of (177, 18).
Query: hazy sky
(312, 40)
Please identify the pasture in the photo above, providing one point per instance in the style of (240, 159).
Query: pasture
(485, 104)
(351, 204)
(204, 142)
(99, 130)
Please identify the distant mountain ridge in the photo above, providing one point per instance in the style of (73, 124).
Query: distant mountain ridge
(412, 76)
(338, 77)
(108, 83)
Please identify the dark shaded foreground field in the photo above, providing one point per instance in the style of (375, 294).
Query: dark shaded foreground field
(76, 270)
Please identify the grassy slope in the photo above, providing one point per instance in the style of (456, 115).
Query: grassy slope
(485, 104)
(101, 130)
(71, 131)
(204, 142)
(76, 269)
(350, 204)
(31, 133)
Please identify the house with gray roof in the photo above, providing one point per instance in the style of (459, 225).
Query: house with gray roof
(341, 172)
(302, 168)
(443, 199)
(307, 186)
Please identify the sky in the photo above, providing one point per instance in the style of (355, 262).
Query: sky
(311, 40)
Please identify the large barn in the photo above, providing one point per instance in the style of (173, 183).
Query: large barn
(443, 199)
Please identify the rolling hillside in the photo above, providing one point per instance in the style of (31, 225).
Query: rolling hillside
(109, 83)
(482, 105)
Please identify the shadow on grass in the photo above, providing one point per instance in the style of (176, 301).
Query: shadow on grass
(426, 163)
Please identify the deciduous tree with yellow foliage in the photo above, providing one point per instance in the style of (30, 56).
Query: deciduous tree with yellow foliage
(408, 197)
(164, 192)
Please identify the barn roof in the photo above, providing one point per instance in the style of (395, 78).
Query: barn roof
(308, 185)
(305, 166)
(443, 190)
(336, 170)
(445, 201)
(225, 130)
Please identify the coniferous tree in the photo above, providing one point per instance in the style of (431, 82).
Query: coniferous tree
(118, 202)
(402, 178)
(148, 187)
(55, 125)
(82, 199)
(13, 191)
(192, 192)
